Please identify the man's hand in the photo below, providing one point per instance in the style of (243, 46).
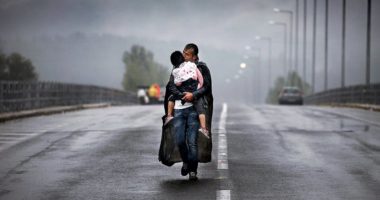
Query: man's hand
(188, 97)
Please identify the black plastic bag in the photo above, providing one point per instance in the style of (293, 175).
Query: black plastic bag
(204, 148)
(169, 154)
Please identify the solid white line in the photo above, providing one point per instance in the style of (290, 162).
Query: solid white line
(223, 195)
(18, 134)
(222, 140)
(7, 142)
(11, 138)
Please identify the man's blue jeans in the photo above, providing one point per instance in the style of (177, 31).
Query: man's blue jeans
(186, 125)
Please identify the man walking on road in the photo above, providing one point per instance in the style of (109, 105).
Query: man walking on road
(186, 122)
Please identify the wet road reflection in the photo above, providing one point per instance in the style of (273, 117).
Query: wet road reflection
(274, 152)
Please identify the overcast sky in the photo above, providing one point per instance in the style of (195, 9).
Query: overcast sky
(220, 23)
(225, 25)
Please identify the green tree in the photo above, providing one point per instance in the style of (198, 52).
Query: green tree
(293, 79)
(3, 67)
(16, 67)
(20, 68)
(141, 69)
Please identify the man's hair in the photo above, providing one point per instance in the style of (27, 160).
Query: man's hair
(177, 58)
(194, 47)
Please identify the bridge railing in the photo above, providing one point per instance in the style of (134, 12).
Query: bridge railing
(361, 94)
(19, 95)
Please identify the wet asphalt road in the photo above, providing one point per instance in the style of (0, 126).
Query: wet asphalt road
(274, 152)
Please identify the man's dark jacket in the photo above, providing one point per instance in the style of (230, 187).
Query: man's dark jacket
(204, 92)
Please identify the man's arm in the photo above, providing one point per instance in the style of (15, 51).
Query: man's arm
(173, 88)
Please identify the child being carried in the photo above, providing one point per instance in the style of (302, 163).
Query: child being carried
(187, 78)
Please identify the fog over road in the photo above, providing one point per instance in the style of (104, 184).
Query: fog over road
(274, 152)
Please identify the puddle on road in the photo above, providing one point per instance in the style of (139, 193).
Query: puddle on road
(354, 125)
(87, 140)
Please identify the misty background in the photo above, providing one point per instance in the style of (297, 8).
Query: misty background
(83, 41)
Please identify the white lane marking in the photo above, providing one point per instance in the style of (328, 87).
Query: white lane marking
(222, 140)
(223, 195)
(17, 134)
(10, 138)
(222, 152)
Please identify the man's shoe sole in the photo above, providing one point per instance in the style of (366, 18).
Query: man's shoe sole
(184, 171)
(193, 177)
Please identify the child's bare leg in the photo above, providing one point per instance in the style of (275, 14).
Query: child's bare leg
(169, 116)
(203, 129)
(170, 108)
(202, 120)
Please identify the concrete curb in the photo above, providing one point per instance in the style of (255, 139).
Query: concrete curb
(48, 111)
(369, 107)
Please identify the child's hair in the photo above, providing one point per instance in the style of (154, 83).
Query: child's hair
(177, 58)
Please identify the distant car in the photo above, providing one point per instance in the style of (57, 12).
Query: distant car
(290, 95)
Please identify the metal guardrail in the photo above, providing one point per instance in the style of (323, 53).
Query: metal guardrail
(20, 95)
(361, 94)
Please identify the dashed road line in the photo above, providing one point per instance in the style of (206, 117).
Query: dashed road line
(223, 193)
(222, 140)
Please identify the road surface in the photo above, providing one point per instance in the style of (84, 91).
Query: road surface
(260, 152)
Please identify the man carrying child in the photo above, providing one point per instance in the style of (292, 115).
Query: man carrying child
(191, 96)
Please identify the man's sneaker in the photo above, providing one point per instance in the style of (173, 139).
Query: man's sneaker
(184, 169)
(193, 176)
(168, 119)
(205, 132)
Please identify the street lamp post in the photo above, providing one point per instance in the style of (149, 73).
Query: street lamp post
(314, 46)
(285, 43)
(297, 32)
(269, 40)
(368, 64)
(326, 43)
(291, 34)
(343, 59)
(257, 97)
(244, 80)
(304, 39)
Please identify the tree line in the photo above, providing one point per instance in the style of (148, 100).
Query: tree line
(142, 70)
(15, 67)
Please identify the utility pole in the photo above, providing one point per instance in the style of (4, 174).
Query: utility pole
(368, 67)
(326, 43)
(343, 44)
(314, 46)
(304, 40)
(297, 20)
